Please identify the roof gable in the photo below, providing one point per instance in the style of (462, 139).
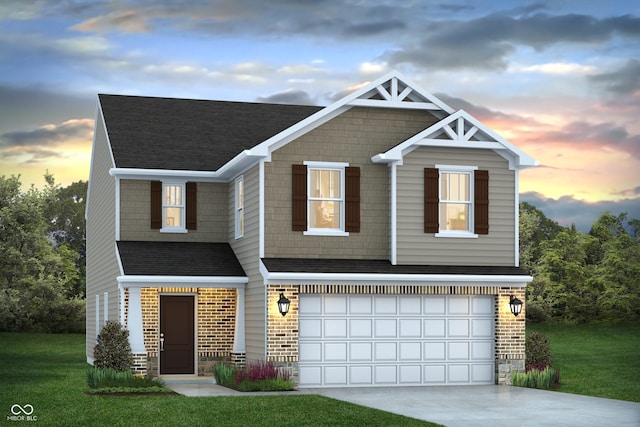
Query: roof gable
(460, 130)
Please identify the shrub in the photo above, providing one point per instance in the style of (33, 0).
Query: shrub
(256, 376)
(538, 352)
(225, 374)
(109, 378)
(113, 350)
(535, 378)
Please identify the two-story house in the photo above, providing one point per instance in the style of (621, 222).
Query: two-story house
(388, 221)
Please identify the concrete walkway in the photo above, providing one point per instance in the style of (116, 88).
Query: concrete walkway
(452, 406)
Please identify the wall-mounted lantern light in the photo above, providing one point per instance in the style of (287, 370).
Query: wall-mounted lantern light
(283, 304)
(515, 305)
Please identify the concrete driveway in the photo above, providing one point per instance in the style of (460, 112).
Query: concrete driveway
(491, 406)
(468, 406)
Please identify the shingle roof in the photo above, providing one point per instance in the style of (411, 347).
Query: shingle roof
(367, 266)
(187, 134)
(178, 259)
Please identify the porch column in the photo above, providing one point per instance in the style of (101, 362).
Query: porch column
(238, 340)
(134, 322)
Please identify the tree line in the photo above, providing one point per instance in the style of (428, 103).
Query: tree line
(577, 277)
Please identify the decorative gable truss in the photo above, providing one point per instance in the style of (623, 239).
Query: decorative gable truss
(394, 91)
(459, 130)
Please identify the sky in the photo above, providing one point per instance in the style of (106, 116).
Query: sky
(560, 79)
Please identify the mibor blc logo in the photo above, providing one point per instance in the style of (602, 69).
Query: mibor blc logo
(22, 413)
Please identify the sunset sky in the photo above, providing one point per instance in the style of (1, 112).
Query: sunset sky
(560, 79)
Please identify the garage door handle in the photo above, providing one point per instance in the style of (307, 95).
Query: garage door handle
(161, 342)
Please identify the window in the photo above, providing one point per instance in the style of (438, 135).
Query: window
(325, 198)
(173, 206)
(455, 201)
(239, 207)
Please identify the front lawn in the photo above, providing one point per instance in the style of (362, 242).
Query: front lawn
(596, 359)
(49, 373)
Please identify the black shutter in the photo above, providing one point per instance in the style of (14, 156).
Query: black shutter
(156, 205)
(299, 198)
(192, 206)
(431, 193)
(352, 199)
(481, 202)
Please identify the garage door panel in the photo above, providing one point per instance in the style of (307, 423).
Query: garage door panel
(335, 352)
(361, 351)
(360, 328)
(383, 340)
(435, 351)
(434, 328)
(335, 375)
(310, 352)
(458, 374)
(458, 351)
(361, 304)
(385, 328)
(386, 375)
(335, 304)
(458, 328)
(410, 374)
(385, 351)
(385, 305)
(310, 328)
(458, 305)
(410, 328)
(361, 375)
(335, 328)
(410, 351)
(435, 374)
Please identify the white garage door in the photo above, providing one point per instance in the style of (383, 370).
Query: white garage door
(384, 340)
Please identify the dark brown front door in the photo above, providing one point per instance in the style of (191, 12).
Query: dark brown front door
(176, 335)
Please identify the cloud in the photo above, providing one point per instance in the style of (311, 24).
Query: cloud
(487, 42)
(623, 81)
(567, 210)
(47, 134)
(294, 97)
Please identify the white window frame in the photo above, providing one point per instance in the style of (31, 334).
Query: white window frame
(457, 169)
(183, 206)
(239, 206)
(339, 166)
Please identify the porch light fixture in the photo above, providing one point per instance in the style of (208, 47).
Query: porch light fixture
(283, 304)
(515, 305)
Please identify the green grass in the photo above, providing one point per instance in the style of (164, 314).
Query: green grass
(49, 372)
(596, 359)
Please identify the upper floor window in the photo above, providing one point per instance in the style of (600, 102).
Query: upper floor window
(456, 201)
(239, 207)
(173, 206)
(326, 198)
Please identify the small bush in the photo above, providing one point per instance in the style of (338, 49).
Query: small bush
(108, 378)
(225, 374)
(535, 378)
(256, 376)
(113, 350)
(538, 352)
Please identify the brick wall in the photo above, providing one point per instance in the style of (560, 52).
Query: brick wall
(215, 313)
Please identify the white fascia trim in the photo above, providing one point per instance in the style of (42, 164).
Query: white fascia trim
(180, 281)
(227, 173)
(369, 277)
(521, 160)
(120, 267)
(394, 213)
(117, 213)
